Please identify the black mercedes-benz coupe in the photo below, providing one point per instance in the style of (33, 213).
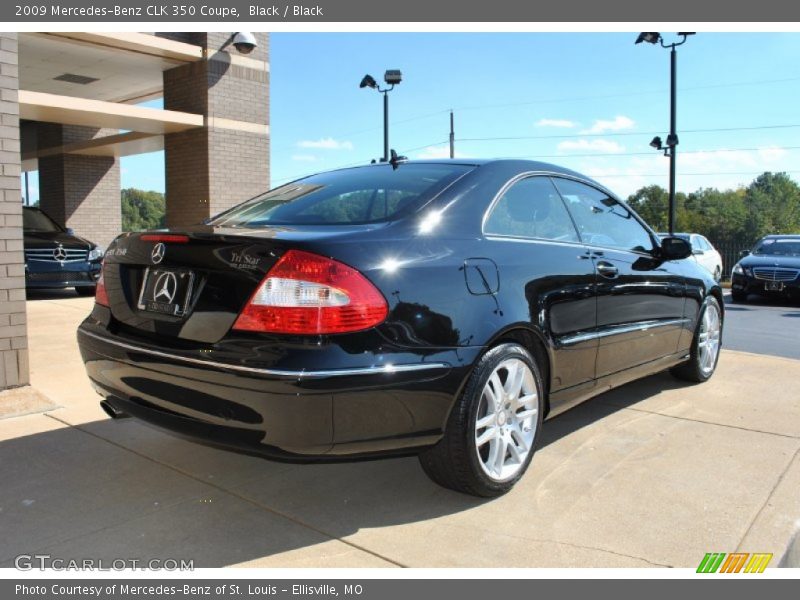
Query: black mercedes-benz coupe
(771, 269)
(443, 309)
(57, 258)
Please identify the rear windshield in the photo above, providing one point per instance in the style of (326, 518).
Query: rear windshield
(779, 247)
(348, 197)
(36, 221)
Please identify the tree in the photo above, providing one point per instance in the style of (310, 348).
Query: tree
(142, 210)
(773, 205)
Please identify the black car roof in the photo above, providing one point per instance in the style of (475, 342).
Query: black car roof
(520, 165)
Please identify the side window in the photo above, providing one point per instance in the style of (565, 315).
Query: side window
(532, 208)
(706, 244)
(601, 220)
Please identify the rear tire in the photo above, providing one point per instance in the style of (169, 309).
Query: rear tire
(717, 274)
(493, 428)
(705, 346)
(85, 290)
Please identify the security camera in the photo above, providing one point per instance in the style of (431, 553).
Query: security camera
(244, 42)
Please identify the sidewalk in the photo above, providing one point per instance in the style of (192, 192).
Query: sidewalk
(654, 474)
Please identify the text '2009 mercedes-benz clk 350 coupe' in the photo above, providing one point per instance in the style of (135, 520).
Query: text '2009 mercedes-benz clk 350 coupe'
(443, 309)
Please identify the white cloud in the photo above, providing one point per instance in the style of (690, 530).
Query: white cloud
(327, 143)
(722, 169)
(618, 123)
(562, 123)
(598, 145)
(438, 152)
(304, 157)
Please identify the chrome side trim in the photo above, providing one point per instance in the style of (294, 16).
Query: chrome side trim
(375, 370)
(619, 329)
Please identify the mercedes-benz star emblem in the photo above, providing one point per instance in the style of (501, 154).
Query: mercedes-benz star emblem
(60, 254)
(157, 255)
(165, 288)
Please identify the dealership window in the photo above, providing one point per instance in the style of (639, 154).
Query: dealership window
(531, 208)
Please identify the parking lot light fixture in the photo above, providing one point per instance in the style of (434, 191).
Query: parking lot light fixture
(392, 77)
(671, 146)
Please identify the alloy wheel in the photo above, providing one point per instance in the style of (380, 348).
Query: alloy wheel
(709, 340)
(506, 421)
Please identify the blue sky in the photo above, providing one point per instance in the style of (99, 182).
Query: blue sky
(591, 102)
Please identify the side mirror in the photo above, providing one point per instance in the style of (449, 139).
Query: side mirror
(744, 253)
(675, 248)
(697, 251)
(70, 231)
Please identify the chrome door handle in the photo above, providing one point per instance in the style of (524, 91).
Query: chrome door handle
(606, 269)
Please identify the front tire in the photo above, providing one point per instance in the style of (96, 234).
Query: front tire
(493, 428)
(740, 297)
(705, 346)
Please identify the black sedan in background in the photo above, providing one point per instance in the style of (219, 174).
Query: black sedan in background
(771, 269)
(443, 309)
(57, 258)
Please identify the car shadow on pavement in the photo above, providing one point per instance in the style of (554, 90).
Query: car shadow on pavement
(119, 489)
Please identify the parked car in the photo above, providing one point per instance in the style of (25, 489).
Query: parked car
(443, 309)
(772, 268)
(57, 258)
(703, 252)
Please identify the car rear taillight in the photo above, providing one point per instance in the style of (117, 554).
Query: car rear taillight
(308, 294)
(100, 294)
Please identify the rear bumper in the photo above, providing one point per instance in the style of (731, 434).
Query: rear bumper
(330, 414)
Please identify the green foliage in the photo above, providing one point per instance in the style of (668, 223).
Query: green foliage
(142, 210)
(770, 204)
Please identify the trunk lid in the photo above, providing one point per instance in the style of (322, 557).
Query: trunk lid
(194, 288)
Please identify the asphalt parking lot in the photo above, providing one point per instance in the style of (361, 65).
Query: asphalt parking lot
(764, 326)
(656, 473)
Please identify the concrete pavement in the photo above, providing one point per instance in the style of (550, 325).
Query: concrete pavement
(656, 473)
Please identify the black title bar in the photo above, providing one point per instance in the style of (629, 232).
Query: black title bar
(442, 11)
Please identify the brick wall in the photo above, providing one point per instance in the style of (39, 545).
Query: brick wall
(81, 192)
(13, 331)
(212, 169)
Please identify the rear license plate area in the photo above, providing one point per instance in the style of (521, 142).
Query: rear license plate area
(166, 291)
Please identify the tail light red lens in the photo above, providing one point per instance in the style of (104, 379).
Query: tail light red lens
(100, 294)
(308, 294)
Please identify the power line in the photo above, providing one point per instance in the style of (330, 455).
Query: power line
(601, 175)
(572, 99)
(356, 164)
(620, 133)
(651, 153)
(626, 94)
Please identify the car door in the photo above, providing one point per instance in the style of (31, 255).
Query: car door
(701, 254)
(640, 299)
(546, 274)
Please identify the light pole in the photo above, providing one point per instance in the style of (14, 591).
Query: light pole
(392, 77)
(671, 146)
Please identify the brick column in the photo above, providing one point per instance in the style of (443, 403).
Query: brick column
(227, 161)
(13, 331)
(81, 192)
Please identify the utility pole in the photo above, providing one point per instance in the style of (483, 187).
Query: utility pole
(452, 137)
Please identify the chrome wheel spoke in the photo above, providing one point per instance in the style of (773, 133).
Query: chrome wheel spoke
(486, 436)
(486, 421)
